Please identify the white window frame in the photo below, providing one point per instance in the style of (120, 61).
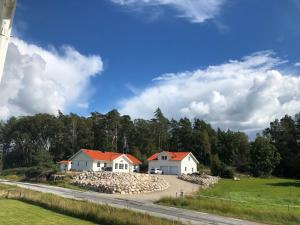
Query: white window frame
(126, 166)
(98, 164)
(116, 166)
(121, 166)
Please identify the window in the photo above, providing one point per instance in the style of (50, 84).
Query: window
(105, 164)
(116, 166)
(85, 164)
(189, 158)
(126, 166)
(121, 166)
(78, 163)
(164, 157)
(192, 169)
(98, 164)
(185, 169)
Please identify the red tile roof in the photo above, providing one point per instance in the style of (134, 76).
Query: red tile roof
(109, 156)
(65, 161)
(175, 156)
(133, 159)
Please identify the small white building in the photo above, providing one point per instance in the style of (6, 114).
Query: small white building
(65, 165)
(174, 163)
(94, 160)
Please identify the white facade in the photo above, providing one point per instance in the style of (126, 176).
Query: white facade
(65, 166)
(174, 167)
(7, 11)
(83, 162)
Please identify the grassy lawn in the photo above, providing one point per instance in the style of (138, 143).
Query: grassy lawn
(263, 200)
(14, 212)
(88, 211)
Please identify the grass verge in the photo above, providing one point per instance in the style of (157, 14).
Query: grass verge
(14, 212)
(262, 200)
(102, 214)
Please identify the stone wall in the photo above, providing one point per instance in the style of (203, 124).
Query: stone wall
(203, 180)
(120, 183)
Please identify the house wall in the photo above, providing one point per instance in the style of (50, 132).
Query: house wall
(122, 160)
(163, 163)
(135, 168)
(185, 166)
(188, 165)
(81, 162)
(102, 163)
(65, 167)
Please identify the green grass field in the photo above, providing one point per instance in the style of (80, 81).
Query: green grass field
(14, 212)
(88, 211)
(274, 200)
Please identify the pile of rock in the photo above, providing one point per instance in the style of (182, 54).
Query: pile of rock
(120, 183)
(202, 179)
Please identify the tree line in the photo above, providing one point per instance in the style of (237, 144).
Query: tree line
(33, 140)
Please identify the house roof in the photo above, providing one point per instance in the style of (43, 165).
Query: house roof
(175, 156)
(133, 159)
(65, 161)
(109, 156)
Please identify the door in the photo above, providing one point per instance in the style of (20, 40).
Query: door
(165, 169)
(173, 170)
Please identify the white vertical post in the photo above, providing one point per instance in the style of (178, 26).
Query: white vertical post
(7, 11)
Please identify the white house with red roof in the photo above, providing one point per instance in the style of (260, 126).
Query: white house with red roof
(94, 160)
(65, 165)
(174, 163)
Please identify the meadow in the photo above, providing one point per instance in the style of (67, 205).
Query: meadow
(50, 205)
(14, 212)
(268, 200)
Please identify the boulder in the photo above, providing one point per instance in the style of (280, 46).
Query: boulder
(121, 183)
(203, 180)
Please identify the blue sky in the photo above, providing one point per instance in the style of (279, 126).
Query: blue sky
(139, 41)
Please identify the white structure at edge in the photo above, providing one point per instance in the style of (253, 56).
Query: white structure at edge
(173, 163)
(7, 12)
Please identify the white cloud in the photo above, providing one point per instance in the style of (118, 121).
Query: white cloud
(297, 64)
(241, 94)
(196, 11)
(39, 80)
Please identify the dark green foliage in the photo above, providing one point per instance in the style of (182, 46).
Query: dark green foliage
(220, 169)
(42, 140)
(264, 157)
(285, 135)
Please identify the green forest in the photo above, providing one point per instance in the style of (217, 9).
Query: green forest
(44, 139)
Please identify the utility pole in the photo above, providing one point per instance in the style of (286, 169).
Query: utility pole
(7, 12)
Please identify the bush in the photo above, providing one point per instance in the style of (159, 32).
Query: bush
(220, 169)
(39, 173)
(244, 168)
(15, 171)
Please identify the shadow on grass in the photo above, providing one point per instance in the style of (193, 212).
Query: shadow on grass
(286, 184)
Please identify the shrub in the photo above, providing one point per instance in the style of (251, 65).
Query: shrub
(39, 173)
(220, 169)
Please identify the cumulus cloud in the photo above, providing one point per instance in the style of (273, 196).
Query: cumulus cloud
(41, 80)
(196, 11)
(297, 64)
(241, 94)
